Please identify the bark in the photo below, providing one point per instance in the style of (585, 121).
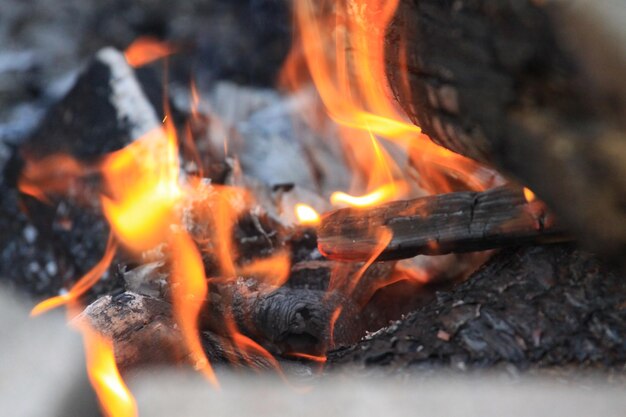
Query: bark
(144, 334)
(283, 320)
(534, 88)
(437, 225)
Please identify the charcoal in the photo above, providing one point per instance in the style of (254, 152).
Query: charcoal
(530, 308)
(104, 111)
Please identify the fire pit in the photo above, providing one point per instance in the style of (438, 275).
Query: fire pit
(212, 192)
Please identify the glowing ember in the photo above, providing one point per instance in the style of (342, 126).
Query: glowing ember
(113, 395)
(306, 215)
(530, 196)
(146, 50)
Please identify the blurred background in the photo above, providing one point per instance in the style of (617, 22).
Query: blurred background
(43, 45)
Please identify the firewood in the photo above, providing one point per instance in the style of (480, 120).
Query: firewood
(283, 320)
(143, 333)
(534, 88)
(436, 225)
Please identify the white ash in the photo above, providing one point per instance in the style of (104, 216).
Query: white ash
(128, 97)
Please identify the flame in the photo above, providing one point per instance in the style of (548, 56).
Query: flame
(145, 50)
(529, 195)
(273, 270)
(312, 358)
(382, 194)
(143, 180)
(340, 47)
(189, 289)
(113, 394)
(83, 285)
(306, 215)
(323, 43)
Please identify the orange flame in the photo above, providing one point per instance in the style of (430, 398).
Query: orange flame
(145, 50)
(143, 180)
(113, 394)
(529, 195)
(340, 46)
(306, 215)
(273, 271)
(351, 101)
(53, 175)
(189, 289)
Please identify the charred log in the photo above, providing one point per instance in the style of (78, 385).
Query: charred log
(144, 334)
(532, 307)
(533, 87)
(283, 320)
(455, 222)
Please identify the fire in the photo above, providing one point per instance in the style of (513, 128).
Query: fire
(306, 215)
(189, 289)
(53, 175)
(273, 270)
(143, 180)
(352, 100)
(113, 394)
(145, 50)
(384, 193)
(340, 47)
(529, 195)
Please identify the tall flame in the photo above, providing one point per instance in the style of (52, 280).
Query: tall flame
(340, 45)
(113, 394)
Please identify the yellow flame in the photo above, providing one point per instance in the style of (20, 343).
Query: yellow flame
(529, 195)
(143, 180)
(306, 215)
(382, 194)
(113, 394)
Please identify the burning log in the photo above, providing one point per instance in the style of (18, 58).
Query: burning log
(455, 222)
(284, 320)
(531, 307)
(143, 333)
(533, 87)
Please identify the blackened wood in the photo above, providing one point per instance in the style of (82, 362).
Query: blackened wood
(143, 333)
(106, 109)
(532, 307)
(535, 88)
(283, 320)
(436, 225)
